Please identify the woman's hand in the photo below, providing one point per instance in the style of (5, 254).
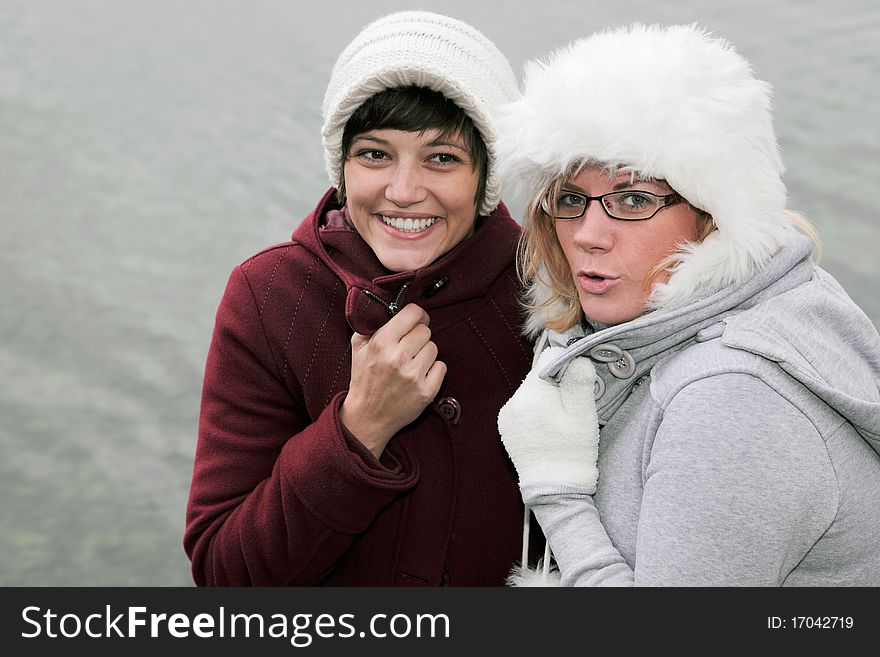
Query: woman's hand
(395, 374)
(552, 432)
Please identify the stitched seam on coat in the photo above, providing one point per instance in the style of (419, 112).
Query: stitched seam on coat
(491, 351)
(516, 284)
(331, 391)
(825, 440)
(515, 334)
(320, 335)
(272, 279)
(295, 314)
(269, 350)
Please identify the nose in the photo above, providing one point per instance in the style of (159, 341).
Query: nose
(594, 231)
(405, 186)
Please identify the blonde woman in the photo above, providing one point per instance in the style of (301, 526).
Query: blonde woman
(705, 404)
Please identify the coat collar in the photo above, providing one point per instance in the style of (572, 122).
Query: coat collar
(465, 273)
(625, 353)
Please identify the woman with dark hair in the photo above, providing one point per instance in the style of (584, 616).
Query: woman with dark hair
(347, 433)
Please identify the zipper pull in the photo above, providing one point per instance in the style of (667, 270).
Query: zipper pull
(394, 307)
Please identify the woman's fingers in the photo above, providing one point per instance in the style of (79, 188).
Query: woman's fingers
(413, 342)
(394, 375)
(434, 378)
(401, 324)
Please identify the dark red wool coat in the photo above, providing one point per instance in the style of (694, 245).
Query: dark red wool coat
(281, 495)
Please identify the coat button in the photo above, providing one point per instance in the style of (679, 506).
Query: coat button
(598, 388)
(449, 409)
(606, 353)
(624, 367)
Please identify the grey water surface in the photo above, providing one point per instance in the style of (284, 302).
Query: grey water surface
(148, 146)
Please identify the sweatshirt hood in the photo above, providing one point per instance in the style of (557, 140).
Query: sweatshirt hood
(824, 341)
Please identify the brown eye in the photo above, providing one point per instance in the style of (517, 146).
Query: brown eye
(444, 158)
(372, 154)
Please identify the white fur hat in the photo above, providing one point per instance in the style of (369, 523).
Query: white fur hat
(423, 49)
(672, 103)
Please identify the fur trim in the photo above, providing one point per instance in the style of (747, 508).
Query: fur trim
(672, 103)
(524, 576)
(537, 296)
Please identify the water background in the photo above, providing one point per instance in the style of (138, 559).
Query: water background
(148, 146)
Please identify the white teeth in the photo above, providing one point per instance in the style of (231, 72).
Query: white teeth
(409, 225)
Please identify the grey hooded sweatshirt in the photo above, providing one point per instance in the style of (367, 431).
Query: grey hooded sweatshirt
(739, 443)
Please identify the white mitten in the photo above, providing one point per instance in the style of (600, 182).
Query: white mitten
(552, 432)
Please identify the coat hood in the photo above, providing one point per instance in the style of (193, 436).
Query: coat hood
(478, 262)
(672, 103)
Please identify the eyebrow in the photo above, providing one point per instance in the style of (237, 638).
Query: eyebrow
(623, 184)
(447, 143)
(369, 138)
(433, 144)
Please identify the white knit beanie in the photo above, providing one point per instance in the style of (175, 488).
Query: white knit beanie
(672, 103)
(427, 50)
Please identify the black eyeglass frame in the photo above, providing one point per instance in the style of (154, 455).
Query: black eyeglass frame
(668, 200)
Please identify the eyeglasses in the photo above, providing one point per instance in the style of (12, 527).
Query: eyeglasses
(628, 205)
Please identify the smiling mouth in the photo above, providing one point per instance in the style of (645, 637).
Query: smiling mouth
(408, 225)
